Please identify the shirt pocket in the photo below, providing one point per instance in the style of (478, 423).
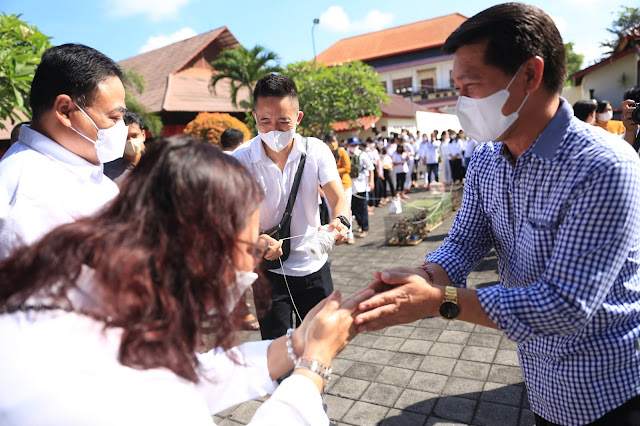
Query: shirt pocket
(536, 246)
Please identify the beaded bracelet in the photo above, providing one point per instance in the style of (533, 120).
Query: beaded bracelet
(290, 350)
(428, 270)
(316, 367)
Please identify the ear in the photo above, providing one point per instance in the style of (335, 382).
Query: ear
(62, 107)
(533, 71)
(300, 115)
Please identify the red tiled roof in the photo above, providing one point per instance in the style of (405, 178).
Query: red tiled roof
(157, 66)
(400, 107)
(394, 41)
(364, 123)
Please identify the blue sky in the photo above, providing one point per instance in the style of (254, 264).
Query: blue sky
(125, 28)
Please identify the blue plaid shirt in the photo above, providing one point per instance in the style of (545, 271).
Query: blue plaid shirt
(564, 220)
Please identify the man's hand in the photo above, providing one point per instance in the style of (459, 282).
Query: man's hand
(341, 237)
(630, 125)
(275, 247)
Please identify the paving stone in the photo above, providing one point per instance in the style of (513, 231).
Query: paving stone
(505, 374)
(488, 330)
(437, 421)
(527, 418)
(229, 422)
(427, 382)
(334, 380)
(485, 340)
(347, 387)
(490, 414)
(454, 336)
(363, 371)
(478, 353)
(352, 352)
(381, 394)
(471, 370)
(388, 343)
(502, 394)
(337, 407)
(377, 356)
(397, 417)
(508, 344)
(420, 347)
(437, 364)
(465, 388)
(339, 366)
(404, 360)
(395, 376)
(423, 333)
(434, 322)
(364, 339)
(363, 413)
(416, 401)
(399, 331)
(460, 325)
(455, 408)
(244, 412)
(450, 350)
(507, 357)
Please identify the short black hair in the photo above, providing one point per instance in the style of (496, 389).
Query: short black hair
(514, 33)
(276, 86)
(231, 138)
(329, 136)
(584, 108)
(131, 117)
(602, 105)
(71, 69)
(632, 93)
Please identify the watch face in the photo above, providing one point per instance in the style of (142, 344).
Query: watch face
(449, 310)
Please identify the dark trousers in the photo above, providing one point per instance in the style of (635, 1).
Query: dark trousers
(307, 291)
(359, 209)
(400, 179)
(456, 169)
(388, 181)
(374, 196)
(432, 168)
(628, 414)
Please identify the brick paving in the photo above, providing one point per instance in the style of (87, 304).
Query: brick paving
(430, 372)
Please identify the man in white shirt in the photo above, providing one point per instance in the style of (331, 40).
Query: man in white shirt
(361, 184)
(230, 140)
(53, 174)
(273, 158)
(429, 156)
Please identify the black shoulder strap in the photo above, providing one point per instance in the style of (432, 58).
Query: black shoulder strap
(296, 184)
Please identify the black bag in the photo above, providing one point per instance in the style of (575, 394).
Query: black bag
(283, 229)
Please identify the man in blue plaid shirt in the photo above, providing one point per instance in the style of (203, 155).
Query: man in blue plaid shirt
(559, 201)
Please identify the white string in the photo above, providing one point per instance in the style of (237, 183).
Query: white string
(295, 236)
(321, 243)
(289, 290)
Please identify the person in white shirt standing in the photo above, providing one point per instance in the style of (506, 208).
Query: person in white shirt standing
(362, 183)
(429, 153)
(272, 158)
(54, 173)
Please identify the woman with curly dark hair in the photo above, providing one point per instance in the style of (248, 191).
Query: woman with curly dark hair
(100, 320)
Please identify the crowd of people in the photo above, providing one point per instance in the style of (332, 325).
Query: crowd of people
(105, 287)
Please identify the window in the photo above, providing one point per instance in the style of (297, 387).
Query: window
(403, 86)
(427, 85)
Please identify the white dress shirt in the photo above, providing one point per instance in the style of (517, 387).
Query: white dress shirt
(454, 149)
(43, 185)
(361, 183)
(62, 368)
(429, 151)
(320, 168)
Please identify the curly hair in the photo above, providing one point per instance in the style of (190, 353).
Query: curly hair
(160, 251)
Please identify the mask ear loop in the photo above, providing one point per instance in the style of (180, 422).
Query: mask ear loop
(509, 85)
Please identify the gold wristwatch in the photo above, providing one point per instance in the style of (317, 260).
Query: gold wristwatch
(449, 309)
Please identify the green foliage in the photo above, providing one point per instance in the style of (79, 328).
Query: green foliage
(135, 82)
(574, 60)
(340, 93)
(244, 67)
(210, 125)
(628, 17)
(21, 47)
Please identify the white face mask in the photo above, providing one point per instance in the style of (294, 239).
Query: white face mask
(111, 142)
(277, 140)
(482, 119)
(134, 146)
(244, 280)
(605, 116)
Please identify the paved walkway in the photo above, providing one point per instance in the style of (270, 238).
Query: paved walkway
(430, 372)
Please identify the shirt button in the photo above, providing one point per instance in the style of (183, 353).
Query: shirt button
(516, 182)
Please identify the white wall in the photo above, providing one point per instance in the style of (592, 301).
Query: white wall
(606, 80)
(430, 121)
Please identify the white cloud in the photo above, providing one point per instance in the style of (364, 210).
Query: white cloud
(156, 10)
(561, 24)
(155, 42)
(592, 52)
(335, 19)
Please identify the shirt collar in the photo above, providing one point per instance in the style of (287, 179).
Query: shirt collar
(56, 152)
(258, 153)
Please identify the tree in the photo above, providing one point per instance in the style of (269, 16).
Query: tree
(629, 17)
(574, 60)
(340, 93)
(244, 67)
(135, 82)
(21, 47)
(210, 125)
